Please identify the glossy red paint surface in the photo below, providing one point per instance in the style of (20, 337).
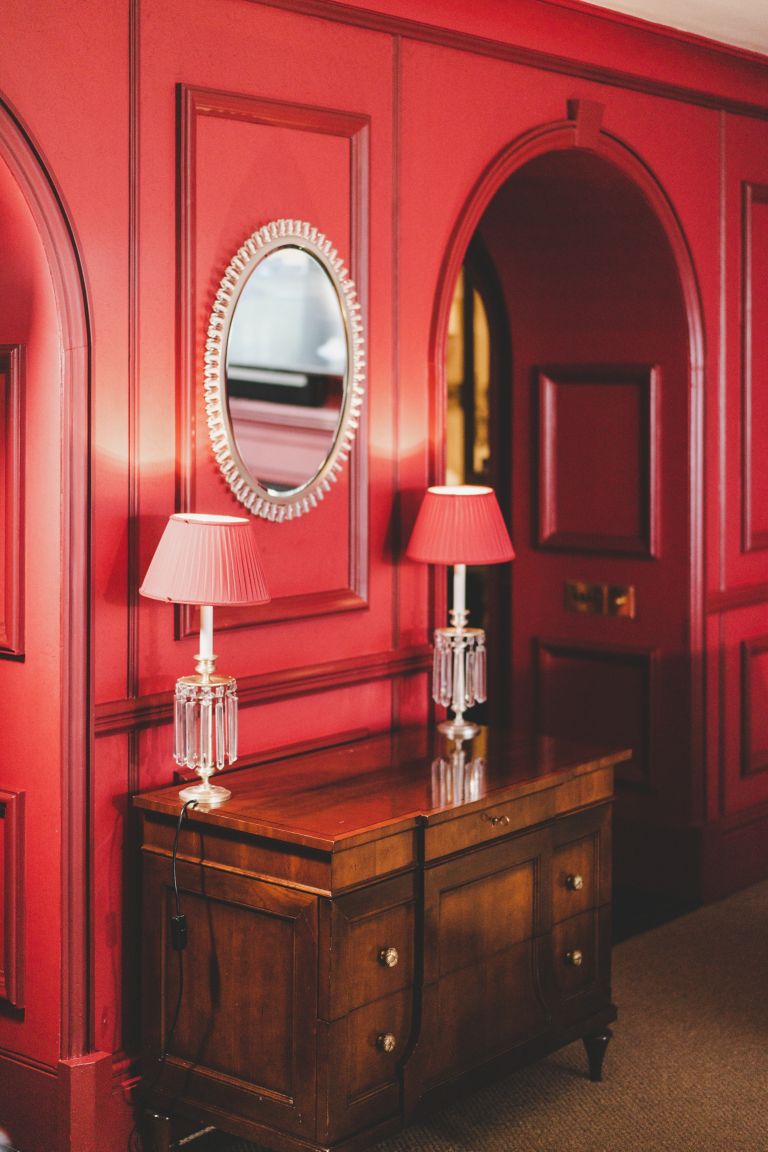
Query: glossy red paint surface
(422, 113)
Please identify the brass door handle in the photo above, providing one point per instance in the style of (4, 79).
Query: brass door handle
(389, 957)
(574, 882)
(386, 1042)
(575, 958)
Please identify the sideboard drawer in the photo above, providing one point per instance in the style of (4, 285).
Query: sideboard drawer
(574, 947)
(581, 876)
(484, 824)
(370, 945)
(574, 887)
(361, 1058)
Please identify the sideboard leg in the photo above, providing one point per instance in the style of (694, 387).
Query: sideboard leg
(596, 1046)
(155, 1131)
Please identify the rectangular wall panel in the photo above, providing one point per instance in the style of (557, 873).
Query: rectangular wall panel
(598, 694)
(597, 458)
(754, 706)
(754, 364)
(245, 162)
(11, 502)
(11, 897)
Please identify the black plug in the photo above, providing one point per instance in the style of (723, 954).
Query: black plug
(179, 932)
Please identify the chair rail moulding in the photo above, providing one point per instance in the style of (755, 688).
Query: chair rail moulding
(126, 715)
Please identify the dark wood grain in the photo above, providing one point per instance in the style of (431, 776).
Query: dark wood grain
(293, 1030)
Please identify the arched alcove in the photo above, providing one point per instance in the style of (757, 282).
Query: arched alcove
(595, 453)
(49, 325)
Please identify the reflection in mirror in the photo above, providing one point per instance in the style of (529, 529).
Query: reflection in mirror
(285, 370)
(286, 364)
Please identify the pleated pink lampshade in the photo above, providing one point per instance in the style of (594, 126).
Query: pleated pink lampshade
(204, 559)
(460, 524)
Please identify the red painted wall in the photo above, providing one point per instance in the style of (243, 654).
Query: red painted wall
(375, 125)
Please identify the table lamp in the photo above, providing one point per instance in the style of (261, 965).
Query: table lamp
(208, 561)
(459, 525)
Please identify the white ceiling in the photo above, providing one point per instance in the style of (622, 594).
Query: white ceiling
(740, 22)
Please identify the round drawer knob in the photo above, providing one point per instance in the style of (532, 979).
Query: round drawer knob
(389, 957)
(386, 1042)
(574, 883)
(575, 958)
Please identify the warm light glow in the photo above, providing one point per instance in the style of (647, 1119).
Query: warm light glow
(459, 489)
(206, 559)
(460, 524)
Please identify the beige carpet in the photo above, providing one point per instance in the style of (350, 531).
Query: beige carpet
(686, 1071)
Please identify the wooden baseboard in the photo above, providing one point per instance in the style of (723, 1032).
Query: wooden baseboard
(76, 1107)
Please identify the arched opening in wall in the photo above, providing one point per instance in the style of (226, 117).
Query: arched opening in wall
(45, 645)
(588, 447)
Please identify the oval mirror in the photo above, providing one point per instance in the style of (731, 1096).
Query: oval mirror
(284, 370)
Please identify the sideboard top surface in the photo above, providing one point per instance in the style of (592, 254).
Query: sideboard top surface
(334, 798)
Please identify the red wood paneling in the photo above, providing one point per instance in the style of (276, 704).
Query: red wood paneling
(272, 135)
(32, 689)
(11, 501)
(744, 533)
(583, 689)
(754, 363)
(96, 89)
(597, 459)
(12, 905)
(277, 147)
(744, 657)
(754, 705)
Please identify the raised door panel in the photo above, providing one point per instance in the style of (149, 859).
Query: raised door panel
(746, 220)
(484, 917)
(484, 902)
(481, 1011)
(234, 1013)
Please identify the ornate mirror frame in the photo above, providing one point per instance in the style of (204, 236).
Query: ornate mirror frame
(257, 498)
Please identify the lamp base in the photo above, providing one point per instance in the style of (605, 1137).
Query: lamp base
(458, 729)
(205, 794)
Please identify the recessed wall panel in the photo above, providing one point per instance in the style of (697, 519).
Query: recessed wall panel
(754, 706)
(596, 474)
(754, 310)
(11, 502)
(598, 695)
(11, 897)
(244, 163)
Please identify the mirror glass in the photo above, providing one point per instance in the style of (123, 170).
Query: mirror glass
(286, 365)
(284, 370)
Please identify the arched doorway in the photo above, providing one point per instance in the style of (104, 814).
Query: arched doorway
(44, 669)
(593, 447)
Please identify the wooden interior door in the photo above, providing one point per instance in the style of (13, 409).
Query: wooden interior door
(591, 463)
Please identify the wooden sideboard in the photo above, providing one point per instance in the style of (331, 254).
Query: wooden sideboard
(369, 927)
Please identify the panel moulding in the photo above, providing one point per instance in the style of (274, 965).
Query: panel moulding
(599, 693)
(195, 103)
(570, 516)
(754, 696)
(754, 264)
(12, 897)
(12, 501)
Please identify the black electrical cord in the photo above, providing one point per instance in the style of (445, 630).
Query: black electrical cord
(179, 943)
(178, 931)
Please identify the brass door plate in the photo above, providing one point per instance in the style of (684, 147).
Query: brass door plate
(593, 599)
